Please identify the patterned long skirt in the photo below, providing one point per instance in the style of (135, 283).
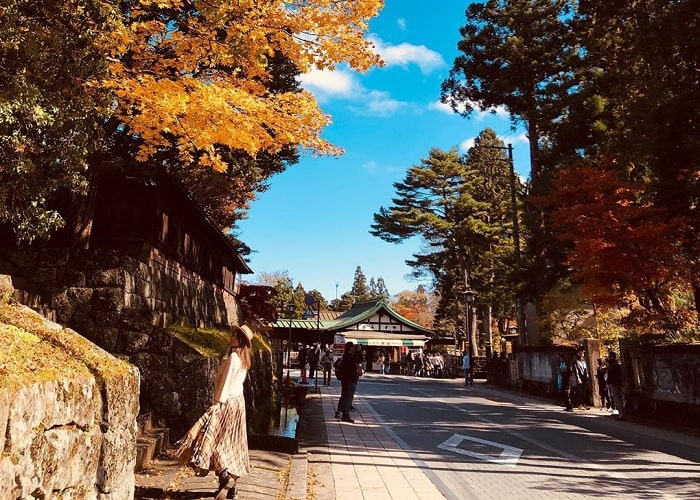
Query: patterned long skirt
(218, 440)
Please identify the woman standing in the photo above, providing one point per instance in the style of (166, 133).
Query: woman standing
(219, 439)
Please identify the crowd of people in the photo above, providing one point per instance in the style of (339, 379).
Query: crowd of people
(573, 383)
(417, 363)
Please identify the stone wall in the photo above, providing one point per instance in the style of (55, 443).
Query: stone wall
(70, 437)
(123, 303)
(660, 382)
(105, 294)
(664, 381)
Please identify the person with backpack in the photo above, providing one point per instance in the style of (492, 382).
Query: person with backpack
(347, 373)
(327, 363)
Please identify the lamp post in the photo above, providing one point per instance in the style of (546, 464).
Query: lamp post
(310, 300)
(290, 312)
(520, 310)
(469, 296)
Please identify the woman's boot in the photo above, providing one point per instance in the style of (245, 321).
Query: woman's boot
(226, 483)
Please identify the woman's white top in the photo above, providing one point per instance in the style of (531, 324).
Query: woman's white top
(230, 378)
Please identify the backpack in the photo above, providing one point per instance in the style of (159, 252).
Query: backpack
(336, 367)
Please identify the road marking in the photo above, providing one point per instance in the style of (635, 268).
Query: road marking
(509, 455)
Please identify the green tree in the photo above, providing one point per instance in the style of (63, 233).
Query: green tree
(284, 292)
(344, 303)
(522, 55)
(519, 54)
(641, 75)
(382, 290)
(50, 114)
(373, 287)
(360, 291)
(447, 202)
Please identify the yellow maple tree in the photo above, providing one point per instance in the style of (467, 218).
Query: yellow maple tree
(195, 72)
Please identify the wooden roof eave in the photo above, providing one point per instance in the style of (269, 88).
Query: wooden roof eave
(365, 311)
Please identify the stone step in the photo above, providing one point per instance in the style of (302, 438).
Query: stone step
(151, 444)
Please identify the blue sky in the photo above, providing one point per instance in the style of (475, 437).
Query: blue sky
(314, 221)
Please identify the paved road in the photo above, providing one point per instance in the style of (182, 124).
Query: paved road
(479, 442)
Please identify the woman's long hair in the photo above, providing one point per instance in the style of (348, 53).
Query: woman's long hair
(238, 345)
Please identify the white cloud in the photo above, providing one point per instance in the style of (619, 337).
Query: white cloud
(522, 138)
(379, 103)
(402, 24)
(371, 166)
(405, 54)
(441, 106)
(479, 114)
(325, 84)
(467, 144)
(343, 84)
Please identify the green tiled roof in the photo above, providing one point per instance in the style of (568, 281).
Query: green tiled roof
(363, 310)
(359, 312)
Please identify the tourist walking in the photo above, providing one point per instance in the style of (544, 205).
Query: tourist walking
(218, 441)
(417, 364)
(602, 376)
(386, 363)
(327, 363)
(467, 369)
(564, 382)
(615, 385)
(313, 358)
(580, 373)
(348, 374)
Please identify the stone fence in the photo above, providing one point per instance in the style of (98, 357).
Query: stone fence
(660, 381)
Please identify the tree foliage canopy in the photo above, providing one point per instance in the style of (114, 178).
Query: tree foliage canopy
(193, 86)
(609, 91)
(198, 72)
(51, 114)
(460, 207)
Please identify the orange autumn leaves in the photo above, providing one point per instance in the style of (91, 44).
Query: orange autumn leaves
(623, 245)
(195, 73)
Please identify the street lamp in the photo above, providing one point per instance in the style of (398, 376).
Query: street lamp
(290, 311)
(469, 296)
(310, 300)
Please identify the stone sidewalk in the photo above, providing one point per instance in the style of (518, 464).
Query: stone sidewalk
(361, 460)
(167, 479)
(336, 460)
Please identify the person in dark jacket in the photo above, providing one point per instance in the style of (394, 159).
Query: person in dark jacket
(602, 376)
(581, 377)
(615, 384)
(348, 376)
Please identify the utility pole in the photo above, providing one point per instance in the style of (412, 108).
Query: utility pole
(519, 306)
(520, 309)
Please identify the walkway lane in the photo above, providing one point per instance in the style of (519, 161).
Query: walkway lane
(481, 442)
(367, 462)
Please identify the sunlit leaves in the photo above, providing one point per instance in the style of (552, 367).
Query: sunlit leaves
(50, 109)
(199, 71)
